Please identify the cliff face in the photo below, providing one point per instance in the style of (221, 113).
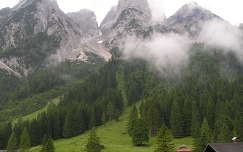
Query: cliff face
(129, 17)
(38, 30)
(86, 21)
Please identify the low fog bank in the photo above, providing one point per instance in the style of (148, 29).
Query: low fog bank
(223, 35)
(162, 51)
(172, 50)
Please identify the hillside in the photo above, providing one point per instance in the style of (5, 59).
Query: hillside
(113, 136)
(61, 75)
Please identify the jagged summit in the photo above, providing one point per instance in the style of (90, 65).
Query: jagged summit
(24, 3)
(60, 37)
(109, 20)
(193, 9)
(189, 18)
(127, 18)
(141, 5)
(192, 4)
(86, 19)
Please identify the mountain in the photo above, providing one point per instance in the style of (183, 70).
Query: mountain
(86, 20)
(36, 32)
(53, 72)
(127, 18)
(188, 19)
(5, 69)
(109, 20)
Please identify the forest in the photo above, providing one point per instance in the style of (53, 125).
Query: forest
(205, 101)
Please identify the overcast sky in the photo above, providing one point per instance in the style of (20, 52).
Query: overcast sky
(231, 10)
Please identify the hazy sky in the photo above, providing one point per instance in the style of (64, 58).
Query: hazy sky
(231, 10)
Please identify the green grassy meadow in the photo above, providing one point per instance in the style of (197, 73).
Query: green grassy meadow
(113, 136)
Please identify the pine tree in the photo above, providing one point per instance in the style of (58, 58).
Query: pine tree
(154, 118)
(133, 117)
(241, 127)
(211, 113)
(93, 144)
(111, 111)
(5, 133)
(25, 141)
(195, 124)
(164, 141)
(176, 120)
(187, 111)
(68, 130)
(204, 137)
(81, 123)
(140, 133)
(224, 132)
(47, 145)
(12, 143)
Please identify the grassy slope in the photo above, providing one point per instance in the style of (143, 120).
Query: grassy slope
(113, 136)
(35, 114)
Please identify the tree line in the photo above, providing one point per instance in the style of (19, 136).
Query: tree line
(204, 101)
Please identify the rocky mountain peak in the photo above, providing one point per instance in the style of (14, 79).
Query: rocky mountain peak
(189, 18)
(192, 4)
(127, 18)
(86, 19)
(194, 11)
(141, 5)
(38, 32)
(24, 3)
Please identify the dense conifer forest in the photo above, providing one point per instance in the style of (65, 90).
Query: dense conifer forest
(203, 100)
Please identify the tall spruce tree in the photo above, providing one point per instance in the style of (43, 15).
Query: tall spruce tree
(93, 144)
(69, 125)
(154, 120)
(47, 145)
(241, 126)
(224, 132)
(5, 133)
(140, 133)
(187, 117)
(12, 143)
(211, 113)
(25, 141)
(204, 137)
(195, 123)
(164, 141)
(133, 117)
(176, 120)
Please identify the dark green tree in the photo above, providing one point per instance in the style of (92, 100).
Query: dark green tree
(140, 133)
(224, 133)
(153, 116)
(5, 133)
(69, 125)
(47, 145)
(211, 113)
(195, 123)
(204, 137)
(164, 140)
(12, 143)
(25, 141)
(93, 144)
(177, 120)
(133, 117)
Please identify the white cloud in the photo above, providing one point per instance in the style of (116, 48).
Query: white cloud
(157, 7)
(223, 35)
(162, 51)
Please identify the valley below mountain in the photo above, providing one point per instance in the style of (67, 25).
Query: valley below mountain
(132, 79)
